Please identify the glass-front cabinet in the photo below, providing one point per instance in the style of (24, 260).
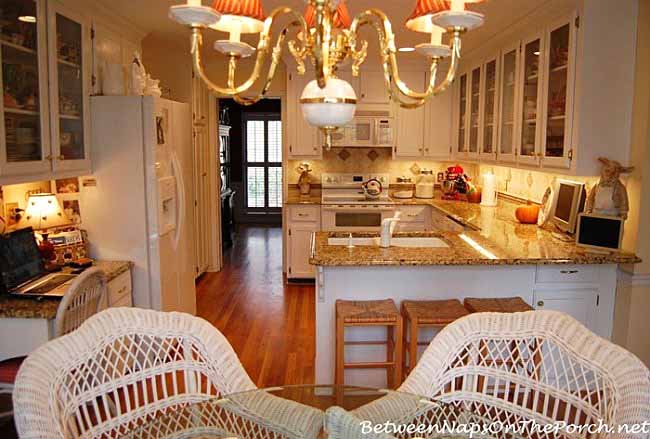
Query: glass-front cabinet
(531, 93)
(508, 104)
(558, 102)
(25, 135)
(69, 88)
(44, 79)
(475, 112)
(463, 120)
(488, 131)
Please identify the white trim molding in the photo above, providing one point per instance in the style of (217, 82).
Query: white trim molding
(633, 279)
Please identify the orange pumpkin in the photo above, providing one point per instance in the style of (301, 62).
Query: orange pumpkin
(527, 214)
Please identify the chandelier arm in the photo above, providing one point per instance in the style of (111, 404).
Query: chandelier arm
(263, 48)
(389, 53)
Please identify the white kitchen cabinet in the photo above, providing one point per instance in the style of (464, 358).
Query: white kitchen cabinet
(46, 83)
(414, 218)
(475, 116)
(410, 122)
(508, 109)
(461, 108)
(489, 109)
(579, 303)
(302, 222)
(438, 126)
(372, 89)
(530, 94)
(302, 137)
(559, 83)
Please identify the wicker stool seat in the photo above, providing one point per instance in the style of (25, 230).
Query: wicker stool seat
(426, 313)
(503, 304)
(352, 313)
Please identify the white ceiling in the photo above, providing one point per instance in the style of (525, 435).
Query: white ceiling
(151, 17)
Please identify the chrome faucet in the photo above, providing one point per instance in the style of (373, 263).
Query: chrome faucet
(387, 228)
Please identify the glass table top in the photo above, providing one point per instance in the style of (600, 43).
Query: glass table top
(316, 412)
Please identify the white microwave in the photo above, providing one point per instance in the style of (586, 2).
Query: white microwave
(366, 131)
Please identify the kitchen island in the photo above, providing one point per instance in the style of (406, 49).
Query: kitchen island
(493, 257)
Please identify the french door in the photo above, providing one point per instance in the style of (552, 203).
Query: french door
(263, 163)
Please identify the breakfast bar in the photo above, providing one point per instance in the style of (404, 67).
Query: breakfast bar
(493, 257)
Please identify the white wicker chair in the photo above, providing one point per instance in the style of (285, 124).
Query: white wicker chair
(82, 299)
(126, 368)
(540, 365)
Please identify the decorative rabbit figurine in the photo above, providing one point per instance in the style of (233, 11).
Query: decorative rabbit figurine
(304, 182)
(609, 196)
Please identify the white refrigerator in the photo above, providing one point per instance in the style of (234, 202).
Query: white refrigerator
(139, 206)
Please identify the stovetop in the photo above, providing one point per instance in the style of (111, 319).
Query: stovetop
(346, 188)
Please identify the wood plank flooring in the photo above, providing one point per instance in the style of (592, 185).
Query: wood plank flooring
(270, 324)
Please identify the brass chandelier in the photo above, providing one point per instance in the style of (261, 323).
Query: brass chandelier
(326, 38)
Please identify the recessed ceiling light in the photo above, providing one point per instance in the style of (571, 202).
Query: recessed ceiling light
(27, 19)
(406, 49)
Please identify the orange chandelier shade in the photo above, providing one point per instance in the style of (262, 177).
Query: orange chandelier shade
(420, 19)
(245, 15)
(340, 19)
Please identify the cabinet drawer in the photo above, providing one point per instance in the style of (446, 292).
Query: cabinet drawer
(415, 214)
(306, 213)
(567, 274)
(119, 289)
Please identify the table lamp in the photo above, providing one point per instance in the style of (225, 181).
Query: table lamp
(43, 212)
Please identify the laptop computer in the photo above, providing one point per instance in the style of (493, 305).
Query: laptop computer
(22, 271)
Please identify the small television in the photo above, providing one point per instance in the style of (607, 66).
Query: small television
(600, 232)
(569, 202)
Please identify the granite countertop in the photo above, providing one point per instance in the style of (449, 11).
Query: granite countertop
(494, 237)
(17, 307)
(294, 197)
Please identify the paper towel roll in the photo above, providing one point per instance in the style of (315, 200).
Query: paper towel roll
(489, 196)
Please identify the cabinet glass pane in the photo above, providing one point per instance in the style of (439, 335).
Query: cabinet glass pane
(474, 109)
(557, 91)
(462, 114)
(70, 77)
(508, 102)
(531, 82)
(20, 79)
(489, 113)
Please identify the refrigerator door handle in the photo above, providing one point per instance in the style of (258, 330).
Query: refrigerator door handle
(180, 196)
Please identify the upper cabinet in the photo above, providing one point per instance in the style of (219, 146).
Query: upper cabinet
(45, 83)
(372, 88)
(410, 122)
(302, 138)
(518, 107)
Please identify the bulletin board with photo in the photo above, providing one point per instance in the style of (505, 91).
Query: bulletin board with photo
(67, 191)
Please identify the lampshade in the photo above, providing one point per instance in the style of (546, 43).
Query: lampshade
(239, 16)
(340, 19)
(420, 19)
(44, 212)
(332, 106)
(428, 15)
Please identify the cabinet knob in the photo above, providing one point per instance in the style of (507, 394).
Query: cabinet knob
(48, 157)
(540, 303)
(60, 157)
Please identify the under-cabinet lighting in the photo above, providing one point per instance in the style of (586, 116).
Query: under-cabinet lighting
(27, 19)
(478, 247)
(406, 49)
(536, 53)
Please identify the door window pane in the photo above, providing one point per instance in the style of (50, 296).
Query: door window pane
(462, 114)
(255, 186)
(275, 187)
(255, 141)
(264, 163)
(557, 88)
(531, 82)
(508, 101)
(275, 141)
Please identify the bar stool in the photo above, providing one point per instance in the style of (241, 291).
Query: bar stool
(366, 314)
(426, 313)
(505, 305)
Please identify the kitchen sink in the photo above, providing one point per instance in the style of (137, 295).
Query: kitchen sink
(407, 242)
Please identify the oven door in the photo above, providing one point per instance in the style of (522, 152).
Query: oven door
(355, 218)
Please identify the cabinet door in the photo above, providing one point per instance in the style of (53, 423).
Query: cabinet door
(579, 303)
(410, 122)
(303, 140)
(299, 241)
(463, 120)
(508, 104)
(488, 137)
(373, 89)
(24, 110)
(558, 101)
(70, 67)
(474, 112)
(531, 92)
(438, 126)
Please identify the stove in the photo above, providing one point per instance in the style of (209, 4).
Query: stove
(347, 189)
(345, 207)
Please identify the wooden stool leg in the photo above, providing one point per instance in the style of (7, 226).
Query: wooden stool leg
(405, 368)
(390, 357)
(398, 351)
(339, 376)
(413, 345)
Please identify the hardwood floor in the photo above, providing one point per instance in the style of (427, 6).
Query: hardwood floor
(270, 324)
